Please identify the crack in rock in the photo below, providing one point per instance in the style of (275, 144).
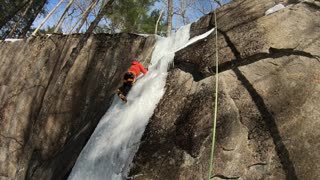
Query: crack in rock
(273, 53)
(258, 164)
(227, 149)
(220, 176)
(12, 138)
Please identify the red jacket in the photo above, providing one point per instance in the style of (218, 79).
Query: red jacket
(136, 68)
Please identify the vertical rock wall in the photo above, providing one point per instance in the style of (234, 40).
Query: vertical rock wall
(50, 105)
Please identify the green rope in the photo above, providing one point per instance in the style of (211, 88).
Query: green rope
(215, 101)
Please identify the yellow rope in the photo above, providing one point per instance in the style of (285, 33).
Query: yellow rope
(216, 99)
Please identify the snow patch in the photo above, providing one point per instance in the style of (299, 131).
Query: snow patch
(274, 9)
(144, 35)
(197, 38)
(12, 40)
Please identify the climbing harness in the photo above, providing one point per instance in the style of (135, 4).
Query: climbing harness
(216, 98)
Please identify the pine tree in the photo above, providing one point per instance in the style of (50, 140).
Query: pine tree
(8, 10)
(17, 17)
(27, 8)
(38, 9)
(132, 16)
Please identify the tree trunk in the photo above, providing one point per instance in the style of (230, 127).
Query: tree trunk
(170, 14)
(219, 2)
(7, 18)
(63, 17)
(101, 13)
(13, 30)
(82, 16)
(75, 24)
(31, 20)
(86, 14)
(184, 6)
(45, 20)
(156, 29)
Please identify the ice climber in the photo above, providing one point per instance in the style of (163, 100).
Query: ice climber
(129, 78)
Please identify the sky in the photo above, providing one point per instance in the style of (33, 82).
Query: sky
(192, 15)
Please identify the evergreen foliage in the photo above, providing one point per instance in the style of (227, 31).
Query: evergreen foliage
(11, 12)
(47, 30)
(134, 16)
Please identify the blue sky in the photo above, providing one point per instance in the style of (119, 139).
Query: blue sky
(192, 15)
(49, 7)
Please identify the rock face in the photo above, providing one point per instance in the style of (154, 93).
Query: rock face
(268, 104)
(51, 103)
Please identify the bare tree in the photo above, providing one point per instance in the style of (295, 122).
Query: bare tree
(27, 27)
(156, 28)
(63, 16)
(14, 28)
(105, 7)
(181, 11)
(170, 14)
(86, 13)
(48, 16)
(204, 6)
(82, 6)
(83, 16)
(219, 2)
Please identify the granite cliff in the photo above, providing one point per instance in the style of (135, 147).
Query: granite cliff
(268, 118)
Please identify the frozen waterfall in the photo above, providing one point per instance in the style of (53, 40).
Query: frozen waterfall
(111, 148)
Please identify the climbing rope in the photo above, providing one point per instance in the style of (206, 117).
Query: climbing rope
(215, 100)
